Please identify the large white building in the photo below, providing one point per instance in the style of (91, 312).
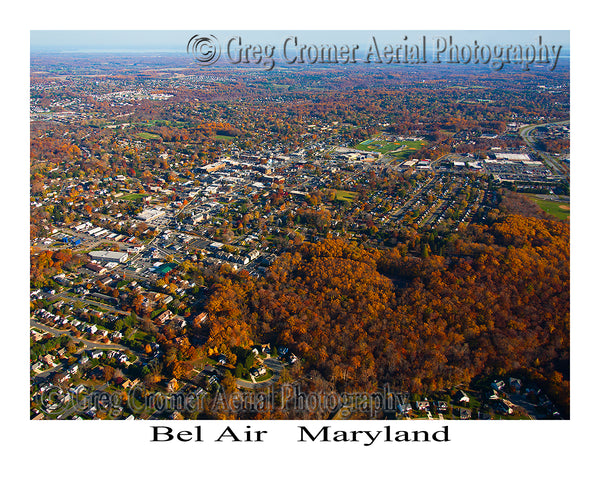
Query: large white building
(150, 214)
(107, 256)
(515, 157)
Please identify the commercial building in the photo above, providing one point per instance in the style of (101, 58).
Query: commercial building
(106, 256)
(150, 214)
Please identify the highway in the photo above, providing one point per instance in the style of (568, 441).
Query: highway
(526, 132)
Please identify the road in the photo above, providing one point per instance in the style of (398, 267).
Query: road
(276, 366)
(526, 132)
(87, 343)
(72, 300)
(522, 402)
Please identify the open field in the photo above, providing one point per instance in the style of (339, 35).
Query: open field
(560, 210)
(224, 137)
(400, 150)
(131, 197)
(345, 195)
(149, 136)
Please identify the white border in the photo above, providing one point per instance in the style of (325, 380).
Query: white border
(119, 449)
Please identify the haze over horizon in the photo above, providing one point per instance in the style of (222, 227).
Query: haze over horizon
(173, 41)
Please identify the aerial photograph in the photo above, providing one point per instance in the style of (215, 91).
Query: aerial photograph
(299, 225)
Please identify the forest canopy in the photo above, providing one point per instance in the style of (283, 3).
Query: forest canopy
(497, 302)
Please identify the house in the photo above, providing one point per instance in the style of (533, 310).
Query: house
(462, 397)
(515, 384)
(441, 406)
(130, 383)
(78, 390)
(45, 386)
(199, 392)
(49, 360)
(37, 367)
(172, 386)
(282, 350)
(91, 412)
(222, 359)
(498, 385)
(465, 414)
(178, 322)
(421, 406)
(503, 407)
(164, 316)
(404, 408)
(116, 336)
(37, 336)
(97, 354)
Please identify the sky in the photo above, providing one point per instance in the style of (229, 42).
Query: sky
(60, 41)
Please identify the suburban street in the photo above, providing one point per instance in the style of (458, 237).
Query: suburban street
(87, 343)
(72, 300)
(276, 366)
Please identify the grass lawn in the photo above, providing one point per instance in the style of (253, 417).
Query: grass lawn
(149, 136)
(132, 197)
(345, 195)
(224, 137)
(560, 210)
(141, 336)
(264, 377)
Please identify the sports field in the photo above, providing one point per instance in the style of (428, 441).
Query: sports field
(149, 136)
(560, 210)
(400, 150)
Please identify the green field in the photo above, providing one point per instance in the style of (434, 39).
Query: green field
(560, 210)
(132, 197)
(400, 150)
(345, 195)
(223, 137)
(149, 136)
